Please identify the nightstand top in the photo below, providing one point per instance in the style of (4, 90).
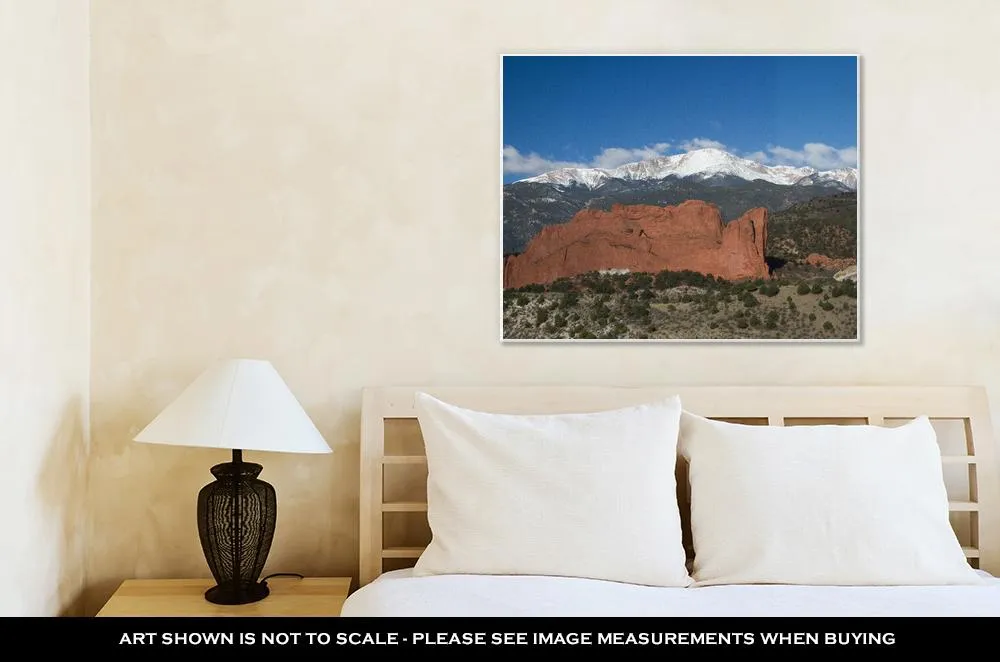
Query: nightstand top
(290, 596)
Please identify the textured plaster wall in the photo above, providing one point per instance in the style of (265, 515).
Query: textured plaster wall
(44, 304)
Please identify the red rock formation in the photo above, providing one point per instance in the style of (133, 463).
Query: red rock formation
(690, 236)
(831, 263)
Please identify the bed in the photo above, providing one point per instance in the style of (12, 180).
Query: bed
(394, 530)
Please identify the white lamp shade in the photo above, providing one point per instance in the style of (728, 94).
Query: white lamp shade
(237, 404)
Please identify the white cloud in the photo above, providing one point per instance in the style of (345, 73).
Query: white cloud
(701, 143)
(531, 164)
(816, 155)
(612, 157)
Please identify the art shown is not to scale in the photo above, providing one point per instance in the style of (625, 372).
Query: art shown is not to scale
(680, 197)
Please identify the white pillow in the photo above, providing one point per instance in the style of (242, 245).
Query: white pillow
(576, 495)
(821, 504)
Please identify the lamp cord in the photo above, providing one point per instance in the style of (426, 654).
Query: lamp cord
(283, 574)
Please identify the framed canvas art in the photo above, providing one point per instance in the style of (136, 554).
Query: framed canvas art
(680, 197)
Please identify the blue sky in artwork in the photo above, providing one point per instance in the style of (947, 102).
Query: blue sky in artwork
(602, 111)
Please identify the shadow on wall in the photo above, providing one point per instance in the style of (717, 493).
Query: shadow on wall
(140, 497)
(62, 489)
(141, 506)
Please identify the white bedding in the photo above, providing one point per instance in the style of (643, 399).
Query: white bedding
(398, 593)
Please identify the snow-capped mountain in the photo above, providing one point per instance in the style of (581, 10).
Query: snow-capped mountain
(846, 176)
(699, 164)
(589, 177)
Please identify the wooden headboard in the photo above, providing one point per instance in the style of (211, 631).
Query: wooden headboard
(394, 528)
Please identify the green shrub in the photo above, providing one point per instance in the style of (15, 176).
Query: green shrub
(561, 285)
(663, 280)
(816, 288)
(803, 288)
(770, 289)
(590, 279)
(639, 281)
(541, 316)
(636, 310)
(521, 300)
(848, 288)
(828, 326)
(812, 317)
(604, 286)
(601, 312)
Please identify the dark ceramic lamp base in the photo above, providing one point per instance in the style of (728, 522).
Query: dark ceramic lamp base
(236, 515)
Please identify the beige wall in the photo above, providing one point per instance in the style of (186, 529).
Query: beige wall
(44, 303)
(316, 183)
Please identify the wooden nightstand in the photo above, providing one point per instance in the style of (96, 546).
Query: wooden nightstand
(290, 596)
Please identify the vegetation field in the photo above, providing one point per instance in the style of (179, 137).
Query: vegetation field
(809, 304)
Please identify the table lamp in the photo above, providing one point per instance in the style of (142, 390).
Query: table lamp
(238, 404)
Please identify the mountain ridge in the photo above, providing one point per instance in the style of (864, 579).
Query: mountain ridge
(699, 164)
